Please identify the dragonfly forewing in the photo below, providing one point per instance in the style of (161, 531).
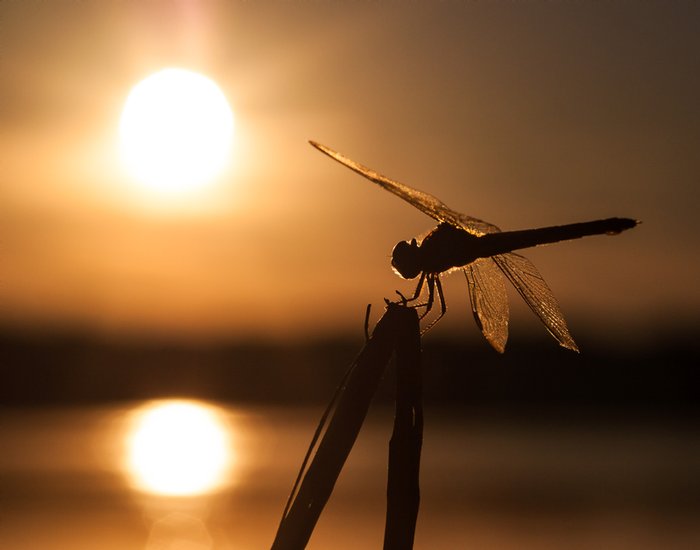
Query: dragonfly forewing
(534, 290)
(425, 202)
(489, 301)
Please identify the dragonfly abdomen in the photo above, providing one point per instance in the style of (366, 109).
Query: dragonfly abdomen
(447, 246)
(499, 243)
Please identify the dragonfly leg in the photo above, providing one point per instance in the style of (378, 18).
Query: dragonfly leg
(441, 297)
(431, 296)
(419, 288)
(416, 293)
(404, 300)
(431, 280)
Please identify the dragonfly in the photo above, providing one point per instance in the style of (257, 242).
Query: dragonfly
(485, 255)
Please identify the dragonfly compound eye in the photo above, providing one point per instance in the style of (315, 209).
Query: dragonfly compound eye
(405, 259)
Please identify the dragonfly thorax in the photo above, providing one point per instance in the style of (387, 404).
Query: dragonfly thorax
(444, 248)
(406, 259)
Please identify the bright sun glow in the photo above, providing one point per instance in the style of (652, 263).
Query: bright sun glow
(176, 131)
(178, 448)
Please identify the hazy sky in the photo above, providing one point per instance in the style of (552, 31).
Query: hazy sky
(520, 113)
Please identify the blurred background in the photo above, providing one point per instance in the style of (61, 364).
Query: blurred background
(150, 332)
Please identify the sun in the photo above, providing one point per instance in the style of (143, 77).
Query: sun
(176, 131)
(178, 448)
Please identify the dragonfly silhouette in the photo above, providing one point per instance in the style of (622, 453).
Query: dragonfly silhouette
(485, 254)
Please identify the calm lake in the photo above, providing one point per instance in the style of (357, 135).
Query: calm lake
(67, 482)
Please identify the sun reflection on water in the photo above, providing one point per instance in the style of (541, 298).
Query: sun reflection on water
(179, 531)
(179, 448)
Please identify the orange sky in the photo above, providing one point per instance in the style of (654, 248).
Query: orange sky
(524, 114)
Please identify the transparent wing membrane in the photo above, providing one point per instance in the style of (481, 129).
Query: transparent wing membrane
(430, 205)
(532, 287)
(489, 301)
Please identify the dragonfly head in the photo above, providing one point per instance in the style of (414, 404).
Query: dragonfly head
(405, 259)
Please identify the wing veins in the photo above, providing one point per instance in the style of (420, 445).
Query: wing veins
(489, 301)
(425, 202)
(527, 280)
